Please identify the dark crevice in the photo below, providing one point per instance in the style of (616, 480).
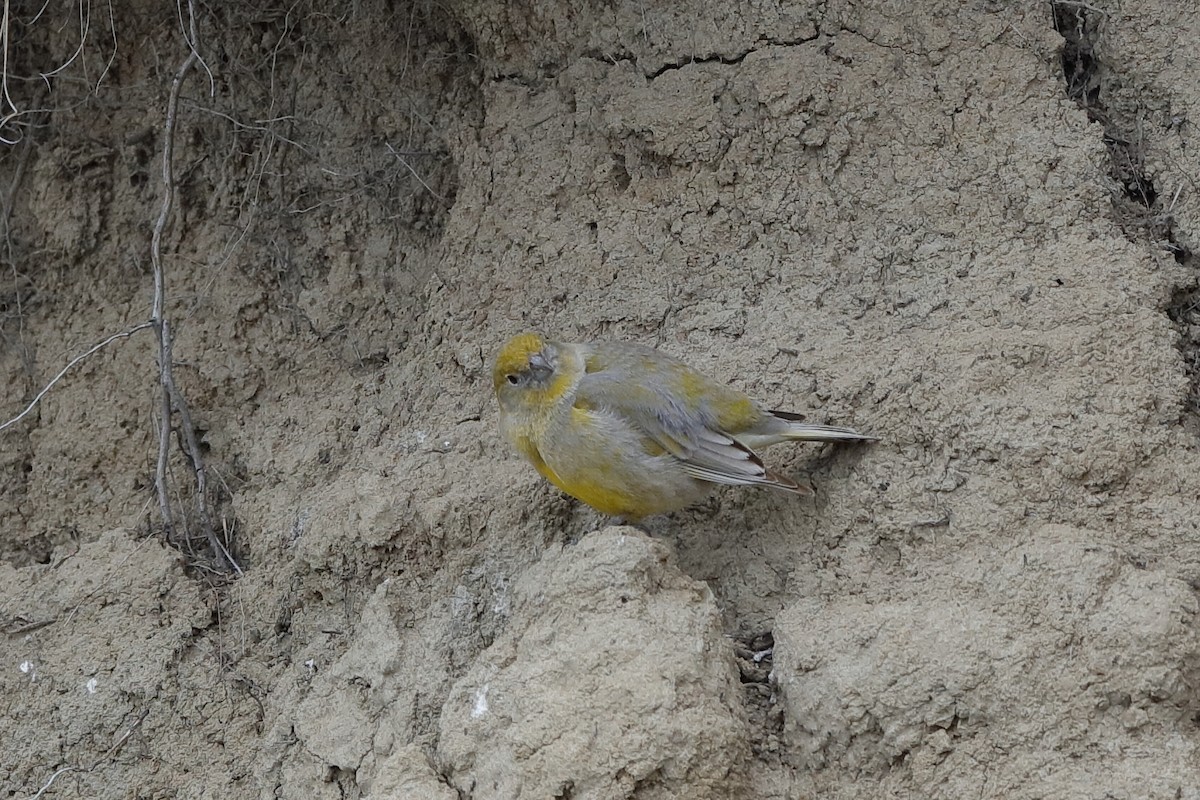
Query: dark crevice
(754, 655)
(623, 56)
(710, 59)
(896, 47)
(550, 71)
(679, 63)
(1184, 311)
(1079, 64)
(1140, 210)
(737, 58)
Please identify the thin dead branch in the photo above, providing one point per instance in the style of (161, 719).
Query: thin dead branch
(112, 751)
(11, 112)
(19, 297)
(416, 175)
(172, 400)
(125, 334)
(29, 627)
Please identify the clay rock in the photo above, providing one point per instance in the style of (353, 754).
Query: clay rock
(363, 704)
(1053, 639)
(407, 773)
(613, 680)
(863, 685)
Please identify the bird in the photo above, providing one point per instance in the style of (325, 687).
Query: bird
(633, 431)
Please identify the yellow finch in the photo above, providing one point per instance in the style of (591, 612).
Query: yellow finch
(632, 431)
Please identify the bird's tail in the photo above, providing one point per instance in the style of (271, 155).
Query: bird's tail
(807, 432)
(791, 427)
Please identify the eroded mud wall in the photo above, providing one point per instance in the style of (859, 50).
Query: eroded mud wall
(966, 228)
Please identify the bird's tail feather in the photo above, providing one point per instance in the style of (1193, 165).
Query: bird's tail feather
(784, 426)
(808, 432)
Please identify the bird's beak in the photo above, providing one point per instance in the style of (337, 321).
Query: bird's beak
(539, 364)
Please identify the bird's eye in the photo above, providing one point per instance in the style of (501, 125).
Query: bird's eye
(512, 379)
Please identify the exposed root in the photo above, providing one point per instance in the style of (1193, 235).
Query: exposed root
(172, 400)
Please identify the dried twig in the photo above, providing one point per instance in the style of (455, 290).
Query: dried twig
(29, 627)
(46, 786)
(6, 214)
(416, 174)
(94, 348)
(172, 400)
(112, 751)
(11, 112)
(225, 527)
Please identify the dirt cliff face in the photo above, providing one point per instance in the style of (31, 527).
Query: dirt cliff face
(966, 228)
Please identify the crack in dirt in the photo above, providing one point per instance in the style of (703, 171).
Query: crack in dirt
(1139, 206)
(711, 59)
(1140, 210)
(869, 40)
(667, 66)
(738, 58)
(624, 56)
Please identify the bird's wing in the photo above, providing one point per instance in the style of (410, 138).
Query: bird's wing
(717, 457)
(684, 425)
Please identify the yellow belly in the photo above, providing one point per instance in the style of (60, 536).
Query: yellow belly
(603, 498)
(593, 490)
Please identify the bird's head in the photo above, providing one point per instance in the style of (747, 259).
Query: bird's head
(529, 372)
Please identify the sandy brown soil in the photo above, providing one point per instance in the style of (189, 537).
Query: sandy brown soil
(965, 227)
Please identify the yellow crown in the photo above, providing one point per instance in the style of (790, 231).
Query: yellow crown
(514, 356)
